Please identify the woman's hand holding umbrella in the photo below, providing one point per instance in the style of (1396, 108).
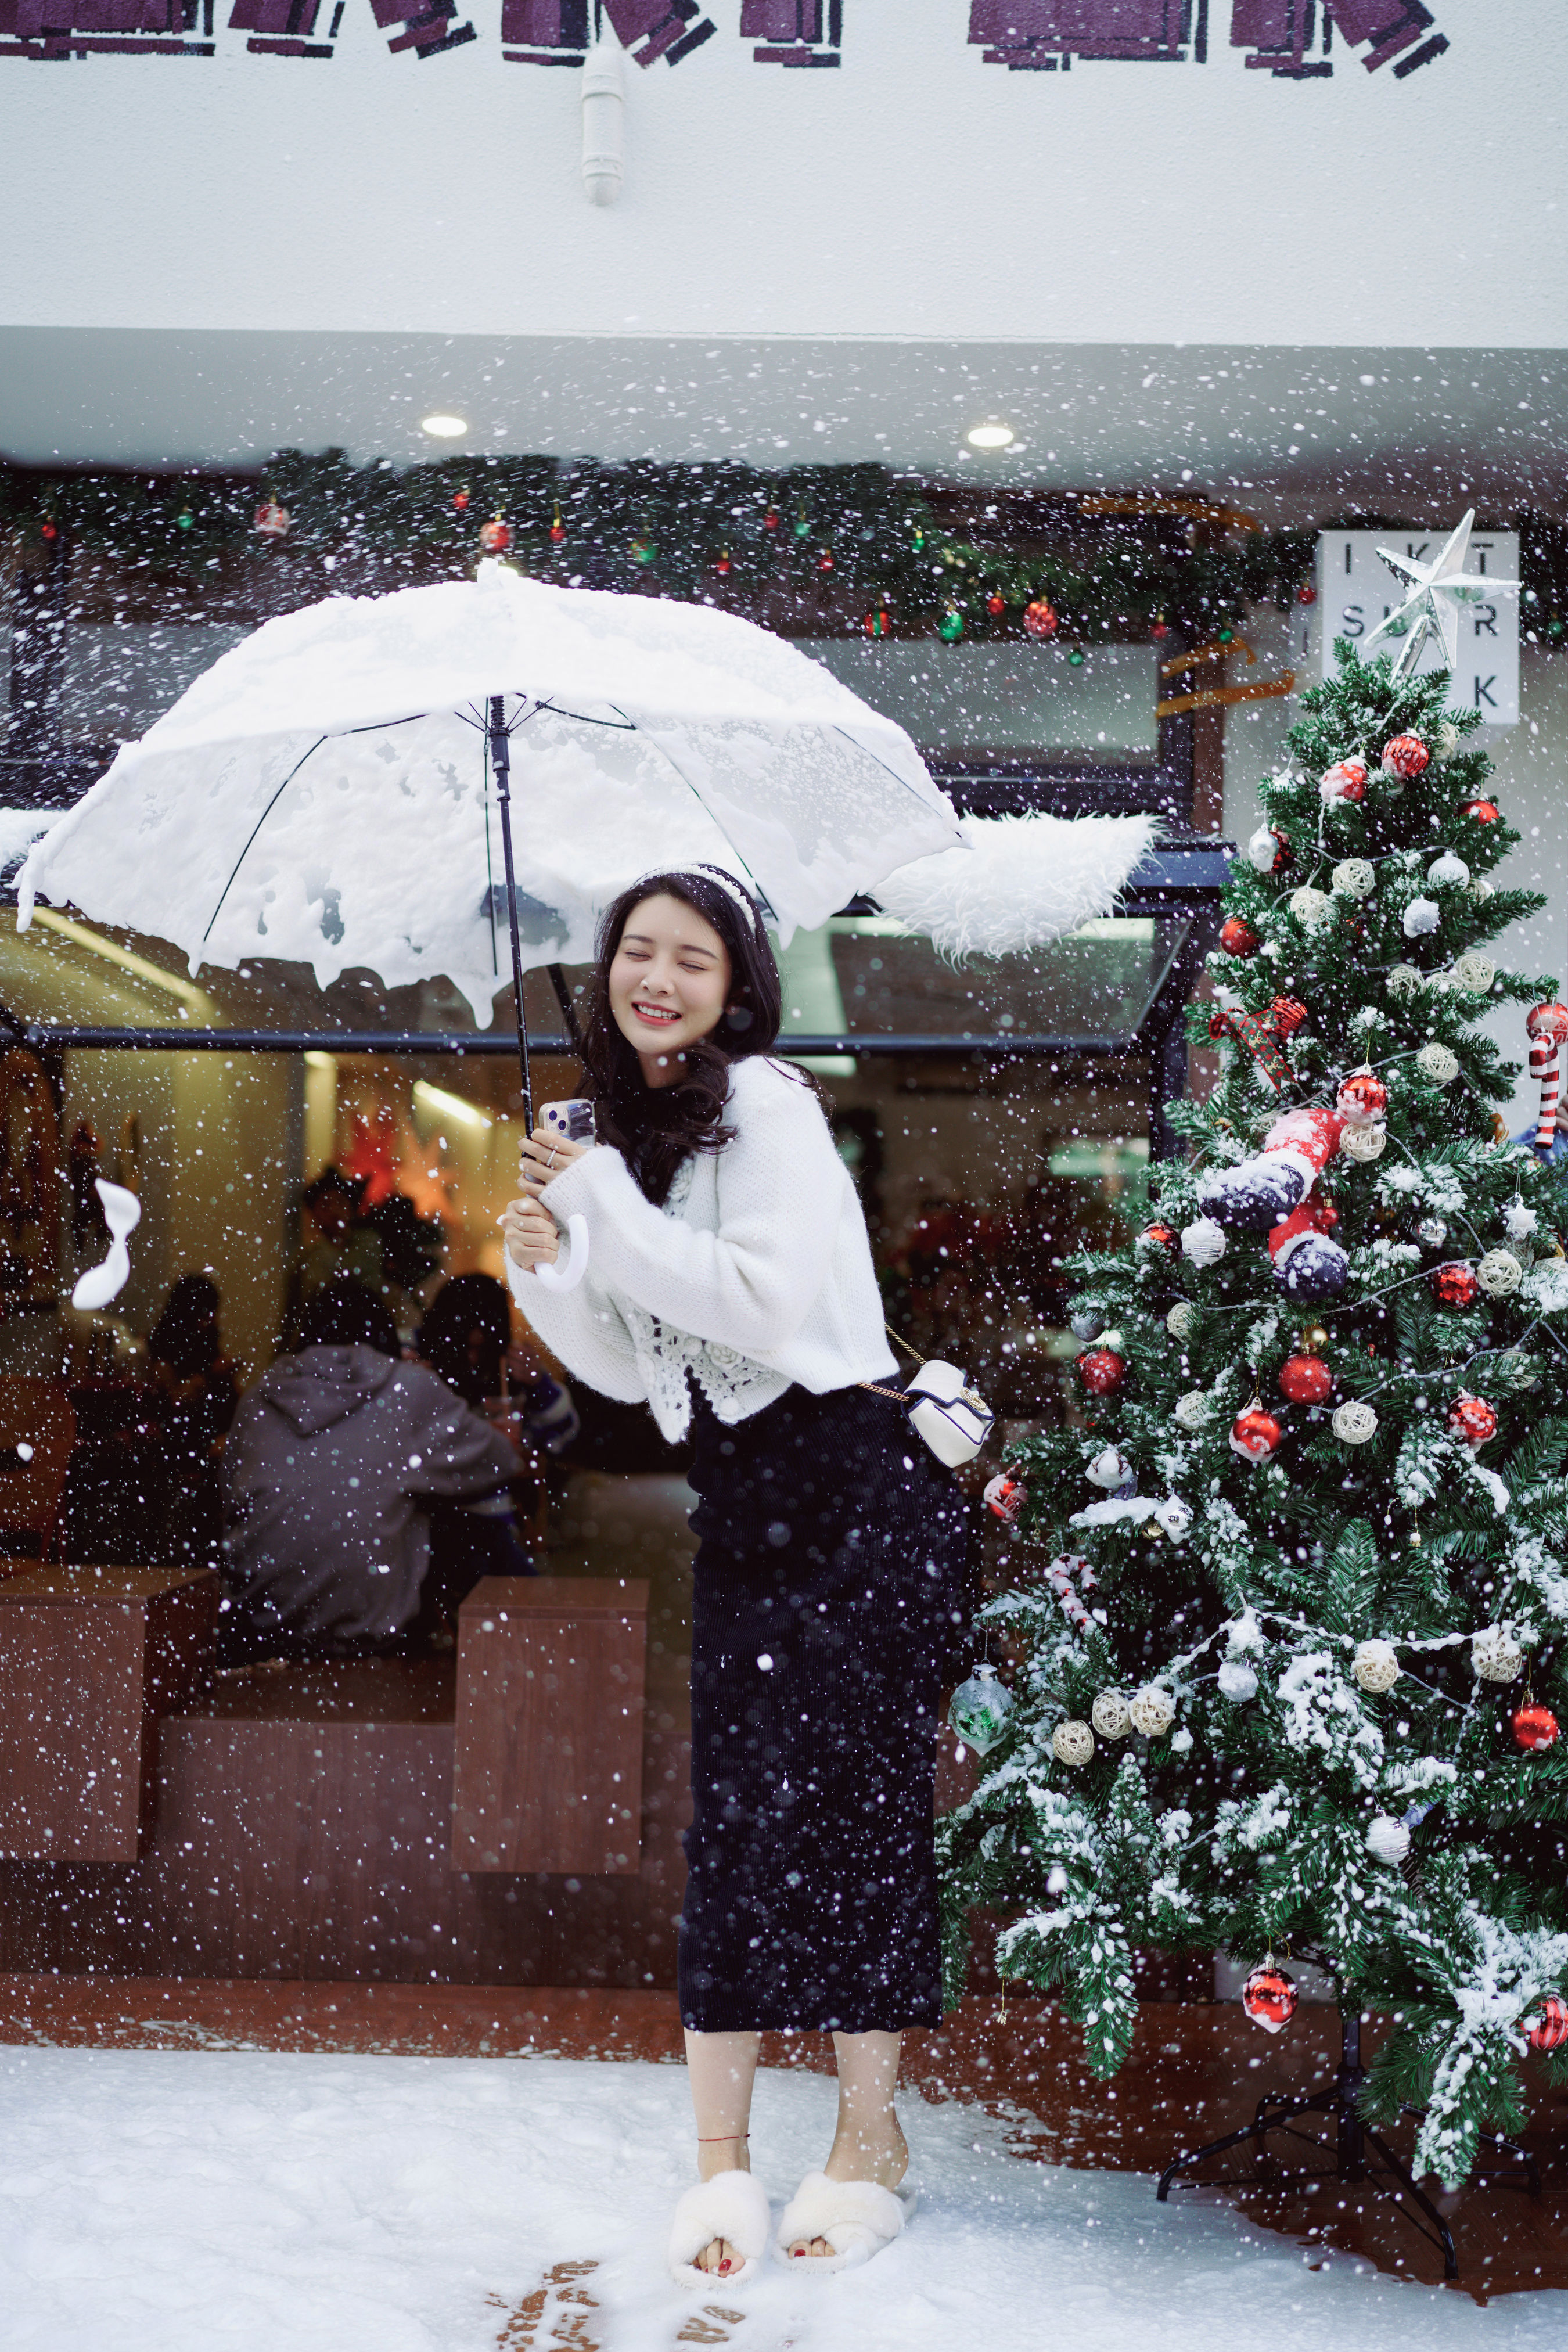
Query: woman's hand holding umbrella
(529, 1232)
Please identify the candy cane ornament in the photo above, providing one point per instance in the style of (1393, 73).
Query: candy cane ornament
(1548, 1028)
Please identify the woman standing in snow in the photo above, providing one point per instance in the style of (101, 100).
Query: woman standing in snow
(730, 1284)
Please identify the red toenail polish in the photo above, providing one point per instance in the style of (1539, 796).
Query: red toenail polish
(724, 2267)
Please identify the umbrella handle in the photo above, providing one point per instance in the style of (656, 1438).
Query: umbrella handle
(576, 1265)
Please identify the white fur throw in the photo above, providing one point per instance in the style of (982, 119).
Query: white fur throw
(1022, 882)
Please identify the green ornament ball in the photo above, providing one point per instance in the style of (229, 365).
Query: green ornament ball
(1075, 659)
(185, 521)
(951, 625)
(643, 550)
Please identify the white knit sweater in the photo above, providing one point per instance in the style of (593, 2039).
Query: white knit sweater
(756, 1275)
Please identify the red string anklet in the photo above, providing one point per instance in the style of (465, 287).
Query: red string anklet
(719, 2136)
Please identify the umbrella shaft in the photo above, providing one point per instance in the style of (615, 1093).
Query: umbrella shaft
(500, 764)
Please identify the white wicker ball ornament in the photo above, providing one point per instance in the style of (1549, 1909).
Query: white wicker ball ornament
(1476, 972)
(1387, 1839)
(1106, 1470)
(1354, 877)
(1109, 1715)
(1404, 982)
(1448, 872)
(1152, 1711)
(1437, 1064)
(1375, 1666)
(1263, 849)
(1311, 907)
(1518, 1221)
(1193, 1411)
(1183, 1319)
(1496, 1656)
(1072, 1743)
(1365, 1143)
(1421, 916)
(1499, 1273)
(1354, 1424)
(1203, 1242)
(1439, 983)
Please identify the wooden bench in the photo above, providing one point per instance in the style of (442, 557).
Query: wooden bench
(90, 1658)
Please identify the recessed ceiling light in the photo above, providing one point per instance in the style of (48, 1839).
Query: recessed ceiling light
(991, 436)
(449, 428)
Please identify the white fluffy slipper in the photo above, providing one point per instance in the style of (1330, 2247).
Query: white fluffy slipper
(857, 2218)
(732, 2205)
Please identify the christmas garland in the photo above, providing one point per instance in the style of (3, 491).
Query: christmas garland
(819, 538)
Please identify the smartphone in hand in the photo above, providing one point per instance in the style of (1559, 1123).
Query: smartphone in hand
(572, 1121)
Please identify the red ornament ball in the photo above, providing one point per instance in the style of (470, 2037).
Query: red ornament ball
(1363, 1099)
(1286, 1015)
(1306, 1380)
(1166, 1235)
(495, 536)
(1236, 937)
(723, 566)
(1455, 1285)
(51, 530)
(1005, 1496)
(1346, 781)
(1102, 1370)
(825, 560)
(1039, 619)
(460, 500)
(771, 519)
(1256, 1435)
(1161, 630)
(1472, 1419)
(558, 539)
(1549, 1021)
(1404, 755)
(1483, 812)
(1549, 2029)
(1270, 1997)
(996, 605)
(878, 620)
(1534, 1726)
(1306, 594)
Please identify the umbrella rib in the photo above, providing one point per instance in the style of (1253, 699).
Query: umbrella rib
(882, 763)
(632, 728)
(260, 822)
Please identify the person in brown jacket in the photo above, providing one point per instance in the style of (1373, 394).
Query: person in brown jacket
(332, 1456)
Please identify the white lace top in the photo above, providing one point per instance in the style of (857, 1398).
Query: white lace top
(756, 1275)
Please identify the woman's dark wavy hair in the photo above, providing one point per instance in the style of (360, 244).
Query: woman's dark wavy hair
(656, 1128)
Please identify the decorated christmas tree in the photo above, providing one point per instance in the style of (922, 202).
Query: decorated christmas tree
(1289, 1593)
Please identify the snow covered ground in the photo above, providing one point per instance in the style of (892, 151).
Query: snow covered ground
(188, 2201)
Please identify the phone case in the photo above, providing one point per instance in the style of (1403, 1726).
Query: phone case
(573, 1118)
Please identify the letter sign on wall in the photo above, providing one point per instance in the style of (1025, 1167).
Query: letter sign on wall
(1356, 588)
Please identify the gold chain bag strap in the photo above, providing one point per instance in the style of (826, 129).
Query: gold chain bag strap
(951, 1418)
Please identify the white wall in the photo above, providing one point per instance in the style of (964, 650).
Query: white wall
(915, 191)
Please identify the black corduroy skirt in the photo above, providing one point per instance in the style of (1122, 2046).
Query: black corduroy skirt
(829, 1583)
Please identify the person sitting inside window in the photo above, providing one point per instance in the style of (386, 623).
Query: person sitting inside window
(333, 1457)
(192, 1395)
(465, 1337)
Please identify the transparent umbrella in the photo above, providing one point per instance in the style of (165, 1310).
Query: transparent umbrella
(454, 780)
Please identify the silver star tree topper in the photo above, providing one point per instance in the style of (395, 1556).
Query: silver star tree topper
(1435, 592)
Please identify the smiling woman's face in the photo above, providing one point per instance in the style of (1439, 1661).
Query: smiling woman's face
(670, 980)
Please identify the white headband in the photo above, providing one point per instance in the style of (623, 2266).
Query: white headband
(751, 902)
